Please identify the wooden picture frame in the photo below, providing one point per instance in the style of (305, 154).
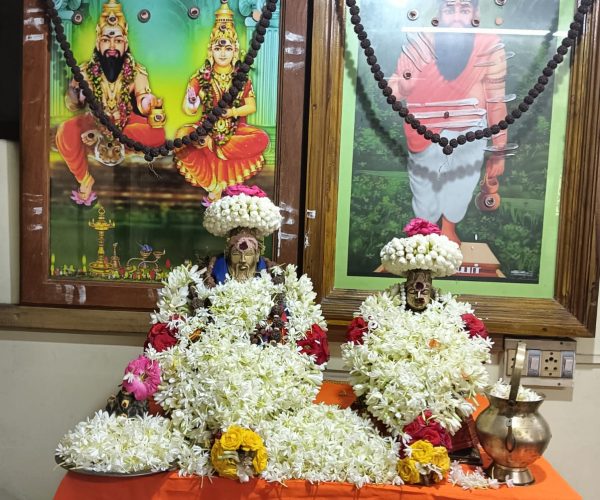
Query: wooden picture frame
(572, 310)
(37, 288)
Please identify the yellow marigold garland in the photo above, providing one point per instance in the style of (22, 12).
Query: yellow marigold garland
(235, 445)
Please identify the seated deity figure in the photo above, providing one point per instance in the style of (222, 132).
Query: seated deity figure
(416, 356)
(233, 150)
(121, 85)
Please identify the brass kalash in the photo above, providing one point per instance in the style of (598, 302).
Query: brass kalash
(512, 432)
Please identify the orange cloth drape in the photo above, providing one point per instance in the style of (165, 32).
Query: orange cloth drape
(169, 486)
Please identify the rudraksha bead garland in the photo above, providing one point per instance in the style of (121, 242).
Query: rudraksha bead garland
(450, 145)
(150, 153)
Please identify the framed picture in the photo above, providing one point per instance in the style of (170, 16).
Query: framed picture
(521, 205)
(102, 226)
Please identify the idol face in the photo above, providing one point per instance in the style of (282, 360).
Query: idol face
(112, 42)
(456, 14)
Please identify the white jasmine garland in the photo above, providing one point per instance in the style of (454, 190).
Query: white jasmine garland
(222, 380)
(502, 390)
(411, 362)
(474, 480)
(432, 252)
(242, 210)
(240, 305)
(326, 443)
(117, 444)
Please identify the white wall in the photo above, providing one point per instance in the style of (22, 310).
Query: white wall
(51, 381)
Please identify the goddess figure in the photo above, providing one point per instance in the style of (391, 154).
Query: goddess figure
(233, 151)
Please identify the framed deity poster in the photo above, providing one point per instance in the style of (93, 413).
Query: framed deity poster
(104, 221)
(515, 200)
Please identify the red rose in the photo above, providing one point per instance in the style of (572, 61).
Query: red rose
(160, 337)
(474, 326)
(356, 330)
(426, 428)
(315, 344)
(421, 226)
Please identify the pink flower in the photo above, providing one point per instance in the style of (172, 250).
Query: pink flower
(243, 189)
(141, 378)
(474, 326)
(315, 344)
(421, 226)
(76, 197)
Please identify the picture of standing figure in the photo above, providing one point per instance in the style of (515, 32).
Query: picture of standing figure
(233, 151)
(454, 83)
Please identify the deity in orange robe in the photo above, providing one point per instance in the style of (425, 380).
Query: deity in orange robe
(121, 85)
(233, 150)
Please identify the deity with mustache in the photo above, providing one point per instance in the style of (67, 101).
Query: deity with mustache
(121, 85)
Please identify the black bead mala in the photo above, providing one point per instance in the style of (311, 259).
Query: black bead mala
(150, 153)
(449, 146)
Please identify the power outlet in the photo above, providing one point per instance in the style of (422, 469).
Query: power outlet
(551, 364)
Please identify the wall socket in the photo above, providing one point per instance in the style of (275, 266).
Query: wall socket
(548, 362)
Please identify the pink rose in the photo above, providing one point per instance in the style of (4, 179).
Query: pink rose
(356, 330)
(421, 226)
(475, 326)
(160, 337)
(243, 189)
(141, 378)
(315, 344)
(426, 428)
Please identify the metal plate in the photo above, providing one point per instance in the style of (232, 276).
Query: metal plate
(88, 472)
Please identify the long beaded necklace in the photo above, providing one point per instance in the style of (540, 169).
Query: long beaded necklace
(150, 153)
(450, 145)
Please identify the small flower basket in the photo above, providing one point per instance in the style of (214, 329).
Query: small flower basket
(239, 454)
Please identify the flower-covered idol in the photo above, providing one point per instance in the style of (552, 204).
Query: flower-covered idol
(416, 356)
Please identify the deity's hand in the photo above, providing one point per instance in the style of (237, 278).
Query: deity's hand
(148, 102)
(230, 113)
(90, 137)
(494, 166)
(192, 97)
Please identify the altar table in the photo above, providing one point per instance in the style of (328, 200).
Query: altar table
(549, 484)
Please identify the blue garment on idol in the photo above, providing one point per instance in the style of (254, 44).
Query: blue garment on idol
(220, 270)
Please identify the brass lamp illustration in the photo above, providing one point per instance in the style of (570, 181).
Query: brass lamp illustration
(101, 267)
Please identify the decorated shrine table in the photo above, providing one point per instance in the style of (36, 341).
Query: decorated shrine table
(549, 484)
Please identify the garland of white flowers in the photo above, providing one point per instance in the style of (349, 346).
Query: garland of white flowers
(237, 307)
(432, 252)
(107, 443)
(326, 443)
(242, 210)
(411, 362)
(219, 381)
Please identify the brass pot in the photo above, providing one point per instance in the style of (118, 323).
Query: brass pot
(512, 432)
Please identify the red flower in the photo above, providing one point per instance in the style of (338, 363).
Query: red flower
(315, 344)
(421, 226)
(160, 337)
(425, 427)
(475, 326)
(356, 330)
